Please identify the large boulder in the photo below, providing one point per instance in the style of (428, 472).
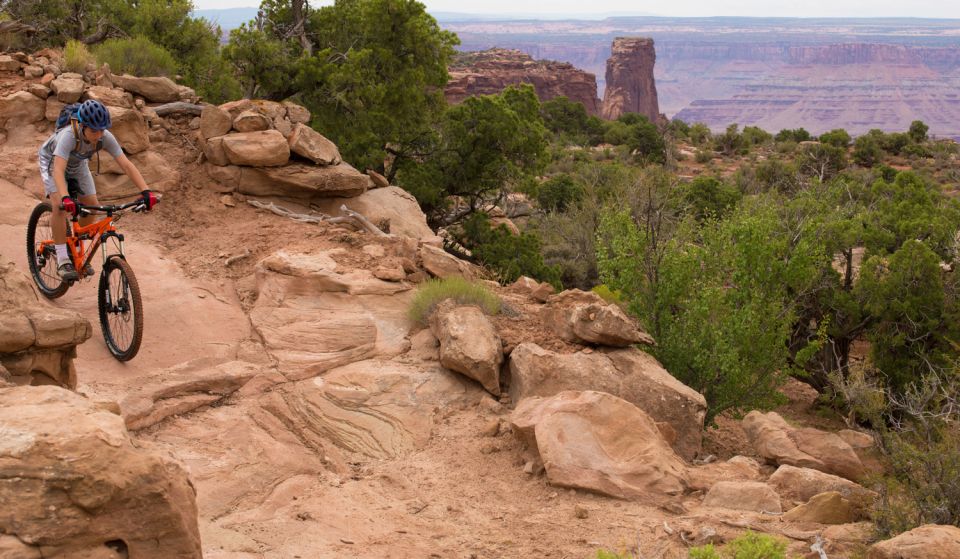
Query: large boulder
(154, 89)
(113, 184)
(441, 264)
(75, 485)
(267, 148)
(214, 121)
(627, 373)
(130, 129)
(295, 180)
(582, 316)
(68, 89)
(802, 484)
(9, 64)
(598, 442)
(310, 144)
(250, 121)
(391, 205)
(931, 541)
(469, 344)
(213, 151)
(37, 341)
(297, 114)
(826, 508)
(110, 96)
(313, 318)
(753, 496)
(780, 443)
(738, 468)
(20, 108)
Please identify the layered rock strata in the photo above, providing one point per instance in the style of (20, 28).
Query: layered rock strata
(630, 84)
(492, 71)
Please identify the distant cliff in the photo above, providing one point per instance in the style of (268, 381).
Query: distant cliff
(491, 71)
(630, 84)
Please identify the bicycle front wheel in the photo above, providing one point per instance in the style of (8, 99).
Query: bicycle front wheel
(121, 309)
(42, 254)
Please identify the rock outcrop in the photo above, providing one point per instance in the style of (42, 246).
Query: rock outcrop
(492, 71)
(73, 484)
(598, 442)
(780, 443)
(931, 541)
(37, 341)
(802, 484)
(469, 344)
(628, 373)
(630, 87)
(584, 317)
(743, 495)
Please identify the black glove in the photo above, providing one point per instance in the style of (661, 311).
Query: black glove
(149, 199)
(69, 205)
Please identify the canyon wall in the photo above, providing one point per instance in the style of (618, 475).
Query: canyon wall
(493, 70)
(629, 79)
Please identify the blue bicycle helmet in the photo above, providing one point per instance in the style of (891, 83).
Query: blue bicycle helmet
(93, 114)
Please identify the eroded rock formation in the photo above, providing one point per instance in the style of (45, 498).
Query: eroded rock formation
(492, 71)
(630, 83)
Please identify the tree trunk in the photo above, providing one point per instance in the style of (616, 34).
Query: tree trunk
(299, 9)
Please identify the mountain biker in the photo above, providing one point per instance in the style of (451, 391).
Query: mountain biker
(64, 160)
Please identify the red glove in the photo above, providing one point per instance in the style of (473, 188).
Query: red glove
(69, 205)
(149, 199)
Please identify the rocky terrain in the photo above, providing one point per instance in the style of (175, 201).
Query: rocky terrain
(774, 73)
(492, 71)
(284, 404)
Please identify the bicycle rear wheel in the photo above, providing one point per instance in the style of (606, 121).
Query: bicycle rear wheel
(42, 260)
(121, 309)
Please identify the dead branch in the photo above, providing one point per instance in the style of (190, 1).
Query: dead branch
(352, 217)
(237, 258)
(104, 31)
(178, 107)
(16, 27)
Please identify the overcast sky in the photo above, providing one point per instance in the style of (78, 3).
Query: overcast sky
(789, 8)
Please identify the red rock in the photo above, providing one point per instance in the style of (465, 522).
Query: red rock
(492, 71)
(630, 84)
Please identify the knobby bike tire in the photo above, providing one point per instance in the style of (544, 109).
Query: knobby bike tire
(120, 308)
(43, 268)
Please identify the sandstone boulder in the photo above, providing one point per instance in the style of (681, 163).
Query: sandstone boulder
(379, 181)
(113, 184)
(213, 151)
(627, 373)
(743, 495)
(310, 144)
(297, 114)
(298, 180)
(780, 443)
(582, 316)
(469, 344)
(250, 121)
(130, 129)
(802, 484)
(153, 89)
(39, 90)
(9, 64)
(37, 341)
(76, 484)
(68, 89)
(22, 107)
(598, 442)
(826, 508)
(110, 96)
(259, 149)
(931, 541)
(442, 264)
(392, 205)
(214, 121)
(52, 109)
(738, 468)
(33, 72)
(313, 318)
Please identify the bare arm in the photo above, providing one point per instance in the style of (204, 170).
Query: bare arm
(131, 171)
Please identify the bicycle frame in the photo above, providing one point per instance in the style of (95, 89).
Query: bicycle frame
(97, 233)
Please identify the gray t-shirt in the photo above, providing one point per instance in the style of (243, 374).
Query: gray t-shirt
(63, 143)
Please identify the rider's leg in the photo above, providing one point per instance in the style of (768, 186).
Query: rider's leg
(58, 222)
(88, 200)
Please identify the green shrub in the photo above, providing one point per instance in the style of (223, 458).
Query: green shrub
(703, 156)
(76, 57)
(604, 554)
(138, 56)
(509, 256)
(433, 292)
(704, 552)
(558, 193)
(757, 546)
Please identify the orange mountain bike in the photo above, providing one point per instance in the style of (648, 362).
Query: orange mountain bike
(118, 293)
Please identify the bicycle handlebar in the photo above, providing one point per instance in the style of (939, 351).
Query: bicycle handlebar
(138, 205)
